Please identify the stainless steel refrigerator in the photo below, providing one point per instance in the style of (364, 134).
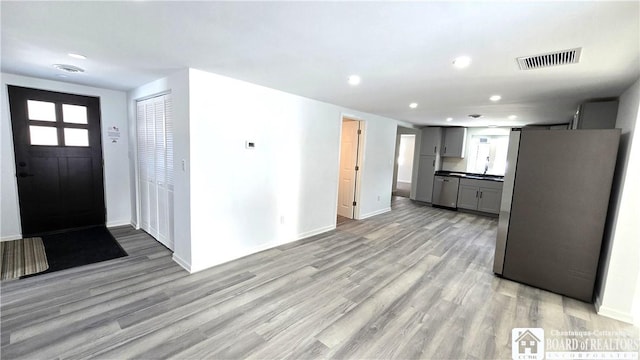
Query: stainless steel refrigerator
(554, 207)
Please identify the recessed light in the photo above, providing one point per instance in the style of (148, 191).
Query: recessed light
(354, 80)
(77, 56)
(493, 126)
(449, 119)
(512, 117)
(68, 68)
(62, 76)
(413, 105)
(495, 98)
(462, 62)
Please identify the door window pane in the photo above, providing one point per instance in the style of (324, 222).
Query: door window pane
(76, 137)
(43, 135)
(75, 114)
(41, 110)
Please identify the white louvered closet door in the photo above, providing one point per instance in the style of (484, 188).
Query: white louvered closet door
(155, 163)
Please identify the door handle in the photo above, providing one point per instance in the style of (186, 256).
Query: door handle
(445, 149)
(24, 174)
(434, 149)
(480, 194)
(476, 194)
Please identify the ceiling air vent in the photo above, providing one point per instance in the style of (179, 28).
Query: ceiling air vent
(555, 58)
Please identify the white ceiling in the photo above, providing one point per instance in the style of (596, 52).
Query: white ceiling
(402, 51)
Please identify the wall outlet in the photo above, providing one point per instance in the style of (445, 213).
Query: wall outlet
(184, 165)
(378, 197)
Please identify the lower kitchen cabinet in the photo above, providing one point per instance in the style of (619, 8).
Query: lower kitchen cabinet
(480, 195)
(468, 196)
(489, 200)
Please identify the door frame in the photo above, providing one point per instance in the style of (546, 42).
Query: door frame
(360, 163)
(403, 130)
(13, 166)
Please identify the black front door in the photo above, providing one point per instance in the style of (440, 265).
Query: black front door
(58, 150)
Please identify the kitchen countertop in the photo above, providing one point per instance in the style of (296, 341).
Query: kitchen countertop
(464, 175)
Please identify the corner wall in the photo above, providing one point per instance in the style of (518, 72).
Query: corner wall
(286, 188)
(113, 112)
(617, 295)
(178, 85)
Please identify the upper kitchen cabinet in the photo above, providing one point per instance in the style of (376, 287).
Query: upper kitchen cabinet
(596, 115)
(431, 141)
(454, 142)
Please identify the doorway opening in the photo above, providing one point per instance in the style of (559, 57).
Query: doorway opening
(351, 150)
(405, 145)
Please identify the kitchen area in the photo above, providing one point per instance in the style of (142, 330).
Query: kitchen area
(549, 186)
(461, 168)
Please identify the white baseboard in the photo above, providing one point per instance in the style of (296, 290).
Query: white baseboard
(317, 231)
(115, 223)
(11, 237)
(612, 313)
(253, 250)
(374, 213)
(597, 302)
(184, 264)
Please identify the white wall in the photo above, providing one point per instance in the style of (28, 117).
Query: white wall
(617, 295)
(245, 200)
(178, 85)
(456, 164)
(116, 171)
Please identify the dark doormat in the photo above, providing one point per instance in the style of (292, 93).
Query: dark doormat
(79, 247)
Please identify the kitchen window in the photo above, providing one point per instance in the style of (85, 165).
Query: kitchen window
(488, 154)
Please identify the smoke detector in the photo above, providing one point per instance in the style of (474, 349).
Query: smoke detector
(556, 58)
(68, 68)
(475, 116)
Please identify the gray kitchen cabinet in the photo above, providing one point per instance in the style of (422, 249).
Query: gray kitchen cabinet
(596, 115)
(480, 195)
(430, 141)
(426, 170)
(467, 196)
(454, 142)
(489, 200)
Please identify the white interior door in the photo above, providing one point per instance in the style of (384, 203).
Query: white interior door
(155, 164)
(348, 173)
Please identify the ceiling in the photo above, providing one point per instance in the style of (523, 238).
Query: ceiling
(403, 51)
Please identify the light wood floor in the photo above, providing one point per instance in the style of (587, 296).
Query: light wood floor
(412, 283)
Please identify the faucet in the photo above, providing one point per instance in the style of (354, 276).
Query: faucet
(486, 167)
